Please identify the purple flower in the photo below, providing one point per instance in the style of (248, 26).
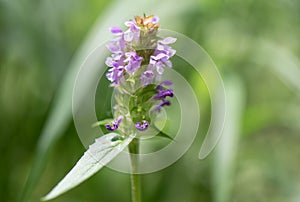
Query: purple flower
(158, 62)
(115, 124)
(165, 103)
(116, 30)
(165, 41)
(131, 24)
(162, 94)
(133, 61)
(147, 77)
(111, 127)
(133, 33)
(161, 85)
(143, 125)
(111, 62)
(115, 74)
(162, 46)
(155, 20)
(162, 54)
(162, 104)
(165, 83)
(115, 60)
(118, 44)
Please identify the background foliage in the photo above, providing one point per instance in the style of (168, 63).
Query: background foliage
(255, 44)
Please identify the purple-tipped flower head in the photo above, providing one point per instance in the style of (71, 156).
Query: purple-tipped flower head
(126, 60)
(138, 60)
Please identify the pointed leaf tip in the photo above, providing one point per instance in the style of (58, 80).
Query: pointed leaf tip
(99, 154)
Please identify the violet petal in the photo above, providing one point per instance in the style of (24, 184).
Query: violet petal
(143, 125)
(116, 30)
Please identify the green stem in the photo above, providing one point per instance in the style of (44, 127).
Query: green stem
(135, 178)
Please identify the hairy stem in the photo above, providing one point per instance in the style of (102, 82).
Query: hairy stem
(135, 178)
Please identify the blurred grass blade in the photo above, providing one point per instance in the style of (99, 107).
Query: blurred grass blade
(281, 61)
(61, 112)
(225, 153)
(98, 155)
(55, 125)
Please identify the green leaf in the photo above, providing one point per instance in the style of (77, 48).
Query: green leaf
(157, 127)
(98, 155)
(164, 135)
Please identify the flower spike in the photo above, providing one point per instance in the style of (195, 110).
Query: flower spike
(137, 62)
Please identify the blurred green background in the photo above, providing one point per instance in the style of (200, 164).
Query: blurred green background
(254, 43)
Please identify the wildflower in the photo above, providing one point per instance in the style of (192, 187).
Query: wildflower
(133, 61)
(165, 83)
(116, 30)
(133, 33)
(115, 74)
(162, 104)
(137, 62)
(135, 66)
(143, 125)
(115, 124)
(147, 77)
(162, 94)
